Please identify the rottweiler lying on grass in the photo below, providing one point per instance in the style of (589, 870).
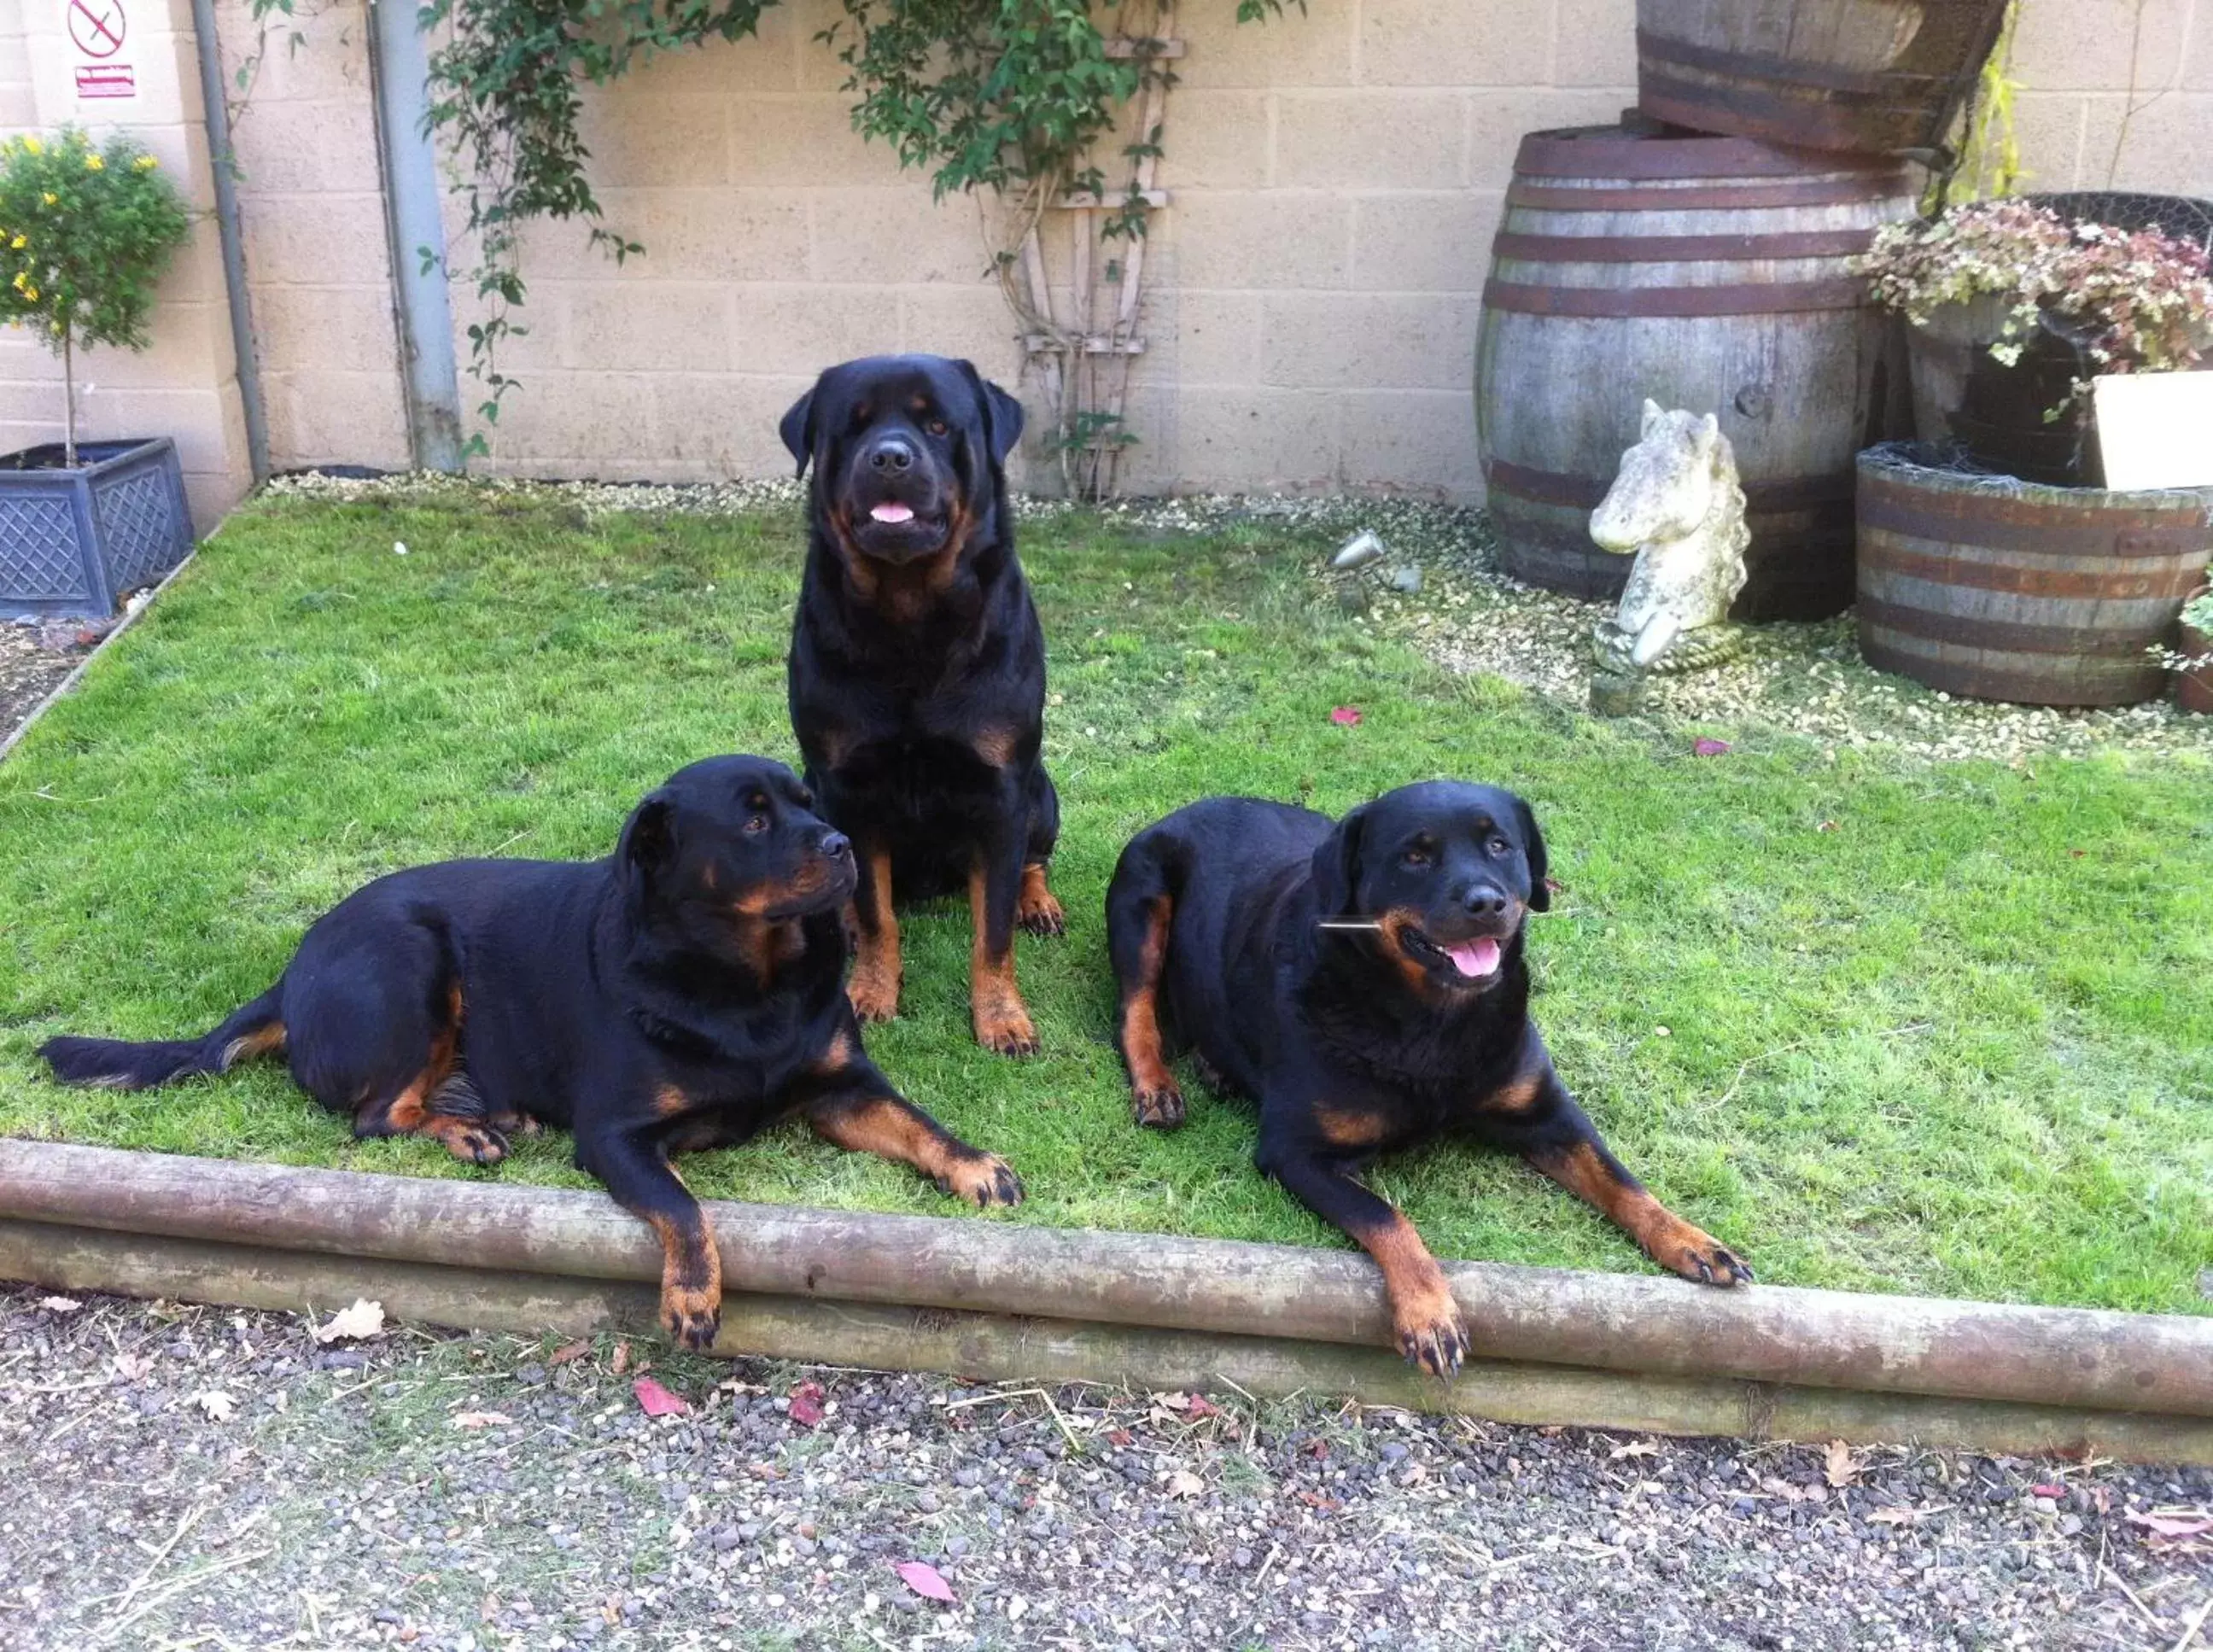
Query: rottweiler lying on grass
(1363, 980)
(682, 995)
(917, 668)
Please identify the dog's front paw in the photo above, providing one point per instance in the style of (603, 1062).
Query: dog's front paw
(1037, 909)
(1006, 1028)
(1159, 1107)
(1699, 1257)
(983, 1179)
(467, 1139)
(1430, 1332)
(692, 1315)
(874, 994)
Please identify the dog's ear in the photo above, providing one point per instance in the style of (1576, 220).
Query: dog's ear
(1533, 850)
(1337, 864)
(797, 429)
(649, 837)
(1002, 414)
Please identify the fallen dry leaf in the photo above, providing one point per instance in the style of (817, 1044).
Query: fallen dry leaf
(131, 1366)
(620, 1363)
(1185, 1483)
(1202, 1406)
(2173, 1522)
(569, 1351)
(60, 1304)
(922, 1578)
(217, 1404)
(807, 1405)
(1839, 1466)
(1635, 1448)
(356, 1324)
(656, 1401)
(1893, 1517)
(481, 1419)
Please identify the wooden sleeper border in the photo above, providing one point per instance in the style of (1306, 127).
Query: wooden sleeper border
(991, 1300)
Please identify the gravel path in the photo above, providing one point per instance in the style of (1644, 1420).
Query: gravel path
(34, 659)
(199, 1476)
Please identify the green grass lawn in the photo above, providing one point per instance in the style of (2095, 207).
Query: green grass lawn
(1880, 1024)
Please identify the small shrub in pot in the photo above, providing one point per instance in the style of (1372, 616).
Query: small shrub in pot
(86, 231)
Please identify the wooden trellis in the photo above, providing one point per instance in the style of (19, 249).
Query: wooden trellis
(1082, 364)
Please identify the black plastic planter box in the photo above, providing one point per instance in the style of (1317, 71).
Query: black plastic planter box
(73, 543)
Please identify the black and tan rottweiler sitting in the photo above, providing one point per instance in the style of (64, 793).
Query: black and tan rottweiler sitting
(917, 668)
(682, 995)
(1364, 981)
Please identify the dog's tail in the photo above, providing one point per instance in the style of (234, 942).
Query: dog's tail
(117, 1064)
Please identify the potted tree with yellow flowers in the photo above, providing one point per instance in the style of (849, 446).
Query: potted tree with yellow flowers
(86, 231)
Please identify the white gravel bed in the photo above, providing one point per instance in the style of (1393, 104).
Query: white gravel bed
(185, 1477)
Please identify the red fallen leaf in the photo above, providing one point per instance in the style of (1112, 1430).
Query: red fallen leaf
(2047, 1491)
(1711, 748)
(1315, 1500)
(1202, 1406)
(807, 1406)
(923, 1579)
(1317, 1448)
(2077, 853)
(1347, 716)
(569, 1351)
(656, 1401)
(1118, 1436)
(1556, 885)
(620, 1363)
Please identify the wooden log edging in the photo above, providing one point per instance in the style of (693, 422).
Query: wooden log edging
(981, 1297)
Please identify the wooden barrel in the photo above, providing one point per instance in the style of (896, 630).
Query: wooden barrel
(1862, 76)
(1708, 273)
(2006, 590)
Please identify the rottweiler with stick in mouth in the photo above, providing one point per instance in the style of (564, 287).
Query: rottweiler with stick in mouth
(916, 672)
(682, 995)
(1364, 981)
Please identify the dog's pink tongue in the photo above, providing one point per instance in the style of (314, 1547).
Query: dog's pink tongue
(893, 511)
(1474, 958)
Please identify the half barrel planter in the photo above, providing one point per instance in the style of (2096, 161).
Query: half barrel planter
(1859, 76)
(1707, 273)
(2000, 590)
(75, 542)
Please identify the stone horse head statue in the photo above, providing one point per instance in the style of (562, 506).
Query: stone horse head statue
(1678, 507)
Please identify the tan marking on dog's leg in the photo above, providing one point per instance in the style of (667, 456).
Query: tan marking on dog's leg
(1674, 1243)
(874, 986)
(691, 1282)
(892, 1128)
(1001, 1019)
(1424, 1315)
(1155, 1098)
(268, 1041)
(1037, 909)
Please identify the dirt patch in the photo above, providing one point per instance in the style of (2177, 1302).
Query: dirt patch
(221, 1478)
(34, 659)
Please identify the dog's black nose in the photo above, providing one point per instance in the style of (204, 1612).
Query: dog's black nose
(891, 455)
(1485, 903)
(835, 844)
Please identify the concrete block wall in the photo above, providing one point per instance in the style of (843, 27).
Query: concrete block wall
(311, 210)
(185, 386)
(1312, 293)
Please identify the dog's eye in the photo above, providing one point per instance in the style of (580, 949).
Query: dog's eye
(756, 823)
(1417, 857)
(1500, 846)
(936, 426)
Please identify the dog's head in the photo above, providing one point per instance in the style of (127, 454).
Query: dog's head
(908, 452)
(726, 845)
(1447, 871)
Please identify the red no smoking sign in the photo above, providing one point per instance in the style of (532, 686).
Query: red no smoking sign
(96, 27)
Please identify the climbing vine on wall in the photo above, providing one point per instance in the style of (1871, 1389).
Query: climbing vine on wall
(1004, 96)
